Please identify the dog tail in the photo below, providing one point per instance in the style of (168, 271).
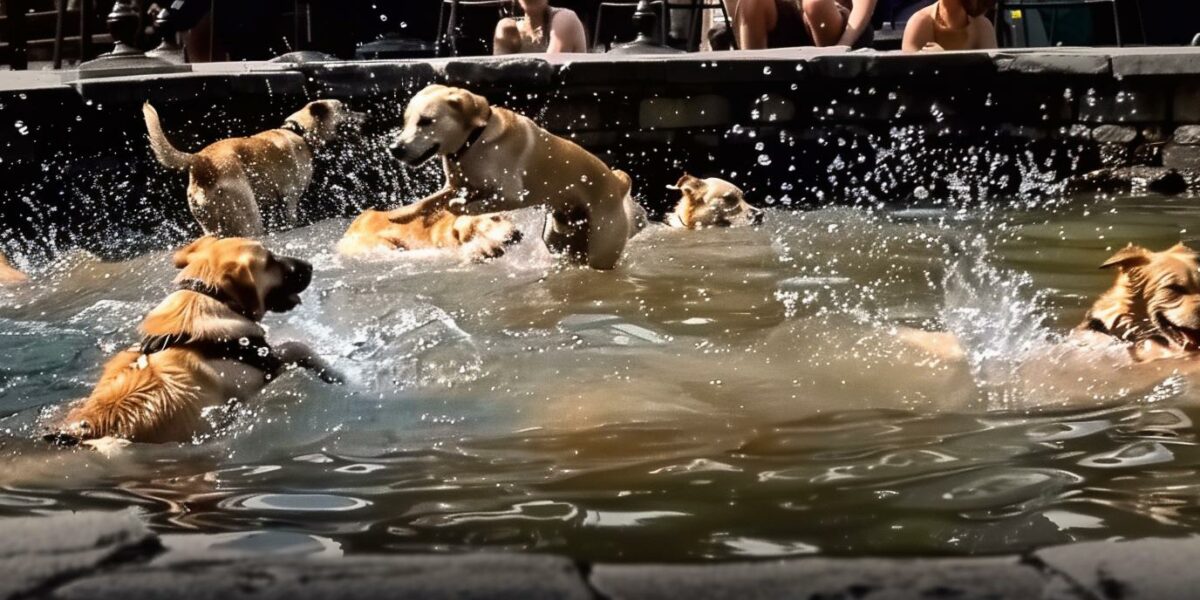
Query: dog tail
(170, 156)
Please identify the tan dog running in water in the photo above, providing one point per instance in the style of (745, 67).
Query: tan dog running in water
(477, 238)
(1154, 304)
(232, 182)
(9, 275)
(711, 202)
(202, 347)
(496, 160)
(1153, 307)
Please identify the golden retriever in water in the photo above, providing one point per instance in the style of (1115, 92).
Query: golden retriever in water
(9, 275)
(1154, 304)
(496, 160)
(478, 238)
(1153, 307)
(203, 347)
(711, 202)
(231, 182)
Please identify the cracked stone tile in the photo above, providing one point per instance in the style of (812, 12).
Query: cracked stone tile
(1138, 570)
(867, 579)
(36, 552)
(491, 576)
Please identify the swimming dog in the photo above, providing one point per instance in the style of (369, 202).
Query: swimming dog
(477, 238)
(202, 347)
(233, 181)
(8, 274)
(711, 202)
(496, 160)
(1153, 308)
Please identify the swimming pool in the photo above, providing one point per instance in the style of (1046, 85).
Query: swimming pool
(723, 394)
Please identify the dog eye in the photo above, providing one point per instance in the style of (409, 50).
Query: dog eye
(1178, 289)
(424, 121)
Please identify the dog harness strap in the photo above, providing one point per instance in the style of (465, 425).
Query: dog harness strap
(216, 293)
(471, 139)
(295, 127)
(253, 352)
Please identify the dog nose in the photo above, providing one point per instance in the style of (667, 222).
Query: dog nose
(397, 150)
(303, 273)
(756, 216)
(62, 438)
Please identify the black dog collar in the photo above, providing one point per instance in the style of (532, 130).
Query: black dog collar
(471, 139)
(199, 287)
(295, 127)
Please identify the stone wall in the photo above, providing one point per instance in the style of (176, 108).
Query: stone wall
(793, 127)
(98, 556)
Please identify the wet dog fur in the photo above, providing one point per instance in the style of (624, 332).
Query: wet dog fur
(475, 237)
(496, 160)
(711, 202)
(160, 396)
(233, 182)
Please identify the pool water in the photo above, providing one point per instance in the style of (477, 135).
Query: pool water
(723, 394)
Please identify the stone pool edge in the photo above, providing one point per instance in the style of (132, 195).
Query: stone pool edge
(101, 555)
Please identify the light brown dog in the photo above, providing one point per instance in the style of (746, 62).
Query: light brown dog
(9, 275)
(1153, 307)
(234, 181)
(202, 347)
(711, 202)
(1154, 304)
(497, 160)
(477, 238)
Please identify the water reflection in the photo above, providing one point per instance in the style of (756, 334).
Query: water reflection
(723, 394)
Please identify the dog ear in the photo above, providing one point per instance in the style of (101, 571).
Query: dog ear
(1180, 248)
(242, 285)
(472, 106)
(319, 110)
(1128, 257)
(181, 256)
(692, 187)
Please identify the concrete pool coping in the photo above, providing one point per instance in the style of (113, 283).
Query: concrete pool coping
(101, 555)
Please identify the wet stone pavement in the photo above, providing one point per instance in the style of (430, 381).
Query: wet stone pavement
(100, 555)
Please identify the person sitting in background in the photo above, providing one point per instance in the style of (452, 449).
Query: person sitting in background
(543, 29)
(784, 23)
(951, 25)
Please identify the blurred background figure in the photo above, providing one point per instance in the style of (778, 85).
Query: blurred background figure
(951, 25)
(785, 23)
(543, 28)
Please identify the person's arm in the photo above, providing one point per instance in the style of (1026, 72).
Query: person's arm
(507, 39)
(857, 22)
(566, 33)
(918, 32)
(985, 34)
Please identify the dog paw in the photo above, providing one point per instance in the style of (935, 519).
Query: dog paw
(107, 446)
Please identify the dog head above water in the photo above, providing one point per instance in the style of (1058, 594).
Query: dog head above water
(711, 202)
(324, 120)
(439, 120)
(1156, 294)
(244, 271)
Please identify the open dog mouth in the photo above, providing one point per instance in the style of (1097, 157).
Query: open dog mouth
(420, 160)
(1187, 337)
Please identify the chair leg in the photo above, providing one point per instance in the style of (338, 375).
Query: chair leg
(729, 24)
(86, 16)
(59, 23)
(664, 23)
(1116, 23)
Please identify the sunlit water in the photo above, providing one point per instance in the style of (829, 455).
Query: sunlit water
(723, 394)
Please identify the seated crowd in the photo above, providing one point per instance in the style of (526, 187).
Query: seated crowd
(757, 24)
